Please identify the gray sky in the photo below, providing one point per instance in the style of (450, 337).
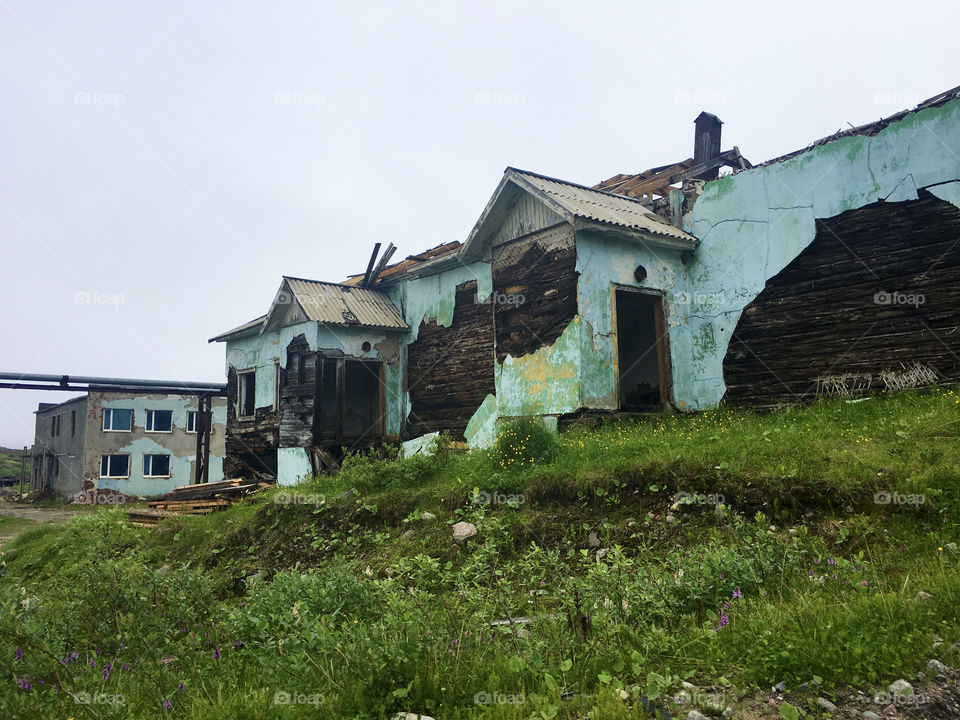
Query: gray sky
(164, 163)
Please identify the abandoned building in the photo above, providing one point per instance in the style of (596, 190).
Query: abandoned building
(832, 270)
(140, 445)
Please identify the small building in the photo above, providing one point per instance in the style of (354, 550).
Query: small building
(832, 270)
(136, 444)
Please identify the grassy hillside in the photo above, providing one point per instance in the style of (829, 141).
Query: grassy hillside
(733, 551)
(10, 464)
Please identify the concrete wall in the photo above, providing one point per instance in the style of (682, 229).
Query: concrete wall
(58, 460)
(754, 223)
(180, 444)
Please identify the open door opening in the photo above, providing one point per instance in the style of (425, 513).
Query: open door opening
(642, 376)
(349, 400)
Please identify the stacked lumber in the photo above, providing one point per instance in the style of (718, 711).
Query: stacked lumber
(193, 500)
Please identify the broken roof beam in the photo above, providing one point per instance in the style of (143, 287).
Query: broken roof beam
(384, 259)
(373, 259)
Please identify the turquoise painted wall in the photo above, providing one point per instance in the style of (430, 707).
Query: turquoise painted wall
(752, 224)
(603, 260)
(263, 351)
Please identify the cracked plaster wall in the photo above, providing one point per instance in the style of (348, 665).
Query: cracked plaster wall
(752, 224)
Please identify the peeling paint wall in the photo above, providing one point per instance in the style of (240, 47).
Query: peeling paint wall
(179, 444)
(603, 261)
(754, 223)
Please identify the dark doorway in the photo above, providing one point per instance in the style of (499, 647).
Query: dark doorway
(348, 402)
(641, 351)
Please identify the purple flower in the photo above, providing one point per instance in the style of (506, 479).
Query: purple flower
(106, 674)
(124, 666)
(816, 561)
(92, 662)
(167, 704)
(180, 688)
(864, 583)
(736, 593)
(726, 604)
(831, 561)
(24, 684)
(238, 644)
(903, 548)
(724, 621)
(18, 654)
(74, 655)
(216, 653)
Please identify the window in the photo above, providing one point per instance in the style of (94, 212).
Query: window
(53, 427)
(115, 420)
(156, 466)
(191, 421)
(114, 466)
(56, 466)
(73, 423)
(246, 393)
(159, 420)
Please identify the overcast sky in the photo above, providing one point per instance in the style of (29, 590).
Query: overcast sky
(162, 164)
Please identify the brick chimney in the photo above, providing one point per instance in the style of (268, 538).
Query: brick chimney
(706, 145)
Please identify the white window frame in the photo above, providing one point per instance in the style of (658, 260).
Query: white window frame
(110, 455)
(241, 394)
(192, 414)
(103, 424)
(151, 474)
(151, 420)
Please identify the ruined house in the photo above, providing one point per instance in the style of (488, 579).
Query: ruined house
(136, 444)
(832, 270)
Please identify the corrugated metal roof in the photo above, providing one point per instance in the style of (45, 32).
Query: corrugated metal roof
(334, 304)
(590, 204)
(253, 325)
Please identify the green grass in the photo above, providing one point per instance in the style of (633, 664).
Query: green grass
(360, 603)
(10, 464)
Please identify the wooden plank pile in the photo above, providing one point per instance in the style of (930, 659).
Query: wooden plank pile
(194, 500)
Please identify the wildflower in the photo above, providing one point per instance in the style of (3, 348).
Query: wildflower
(24, 684)
(724, 621)
(238, 644)
(726, 604)
(736, 593)
(216, 653)
(180, 688)
(864, 583)
(74, 655)
(124, 666)
(903, 548)
(831, 561)
(18, 654)
(92, 662)
(167, 704)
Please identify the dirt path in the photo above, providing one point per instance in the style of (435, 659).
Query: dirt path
(30, 515)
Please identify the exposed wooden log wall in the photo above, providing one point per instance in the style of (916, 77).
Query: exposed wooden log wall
(250, 445)
(450, 370)
(820, 317)
(540, 267)
(297, 399)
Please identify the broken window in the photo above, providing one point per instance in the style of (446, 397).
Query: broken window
(117, 420)
(114, 466)
(641, 350)
(159, 420)
(156, 466)
(246, 393)
(73, 423)
(349, 396)
(191, 421)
